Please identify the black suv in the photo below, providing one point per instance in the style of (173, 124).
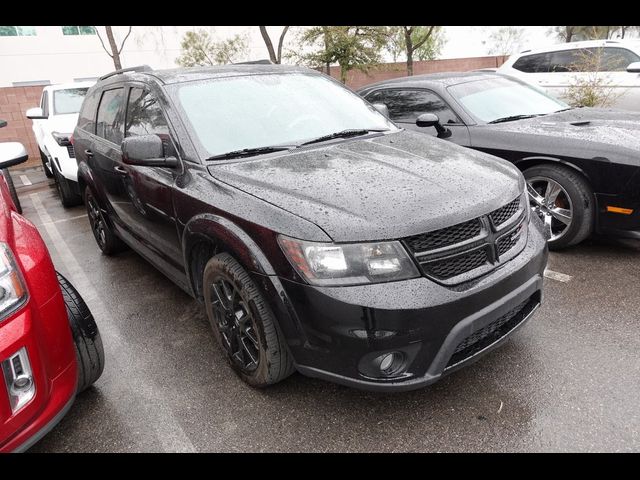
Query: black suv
(319, 236)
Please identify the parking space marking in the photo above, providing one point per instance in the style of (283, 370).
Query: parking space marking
(68, 219)
(169, 432)
(560, 277)
(25, 180)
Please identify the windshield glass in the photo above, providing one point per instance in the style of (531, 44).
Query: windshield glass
(68, 100)
(494, 98)
(252, 111)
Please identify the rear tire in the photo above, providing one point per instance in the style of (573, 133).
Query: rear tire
(12, 190)
(108, 242)
(265, 342)
(581, 197)
(48, 173)
(68, 197)
(86, 336)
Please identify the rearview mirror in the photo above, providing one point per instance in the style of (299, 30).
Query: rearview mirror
(634, 67)
(432, 120)
(12, 153)
(35, 113)
(381, 108)
(146, 151)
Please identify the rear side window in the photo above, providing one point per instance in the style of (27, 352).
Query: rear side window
(109, 124)
(87, 116)
(566, 61)
(144, 115)
(405, 106)
(536, 63)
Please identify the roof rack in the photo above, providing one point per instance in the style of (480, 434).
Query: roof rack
(139, 68)
(256, 62)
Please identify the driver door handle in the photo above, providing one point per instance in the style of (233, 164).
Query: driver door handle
(120, 170)
(88, 153)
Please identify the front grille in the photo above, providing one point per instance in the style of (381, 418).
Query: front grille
(502, 214)
(450, 267)
(445, 236)
(506, 243)
(72, 153)
(482, 338)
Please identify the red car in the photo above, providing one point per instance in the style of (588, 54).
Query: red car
(50, 346)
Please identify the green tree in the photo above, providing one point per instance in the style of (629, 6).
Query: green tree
(198, 48)
(351, 47)
(421, 42)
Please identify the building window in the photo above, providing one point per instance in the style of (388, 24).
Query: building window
(17, 31)
(78, 30)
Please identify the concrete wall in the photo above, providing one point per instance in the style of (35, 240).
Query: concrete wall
(14, 102)
(357, 79)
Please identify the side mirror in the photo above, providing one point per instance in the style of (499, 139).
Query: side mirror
(432, 120)
(35, 113)
(12, 153)
(634, 67)
(381, 108)
(3, 123)
(146, 151)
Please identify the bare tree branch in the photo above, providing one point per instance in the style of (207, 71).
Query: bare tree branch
(281, 42)
(101, 42)
(125, 39)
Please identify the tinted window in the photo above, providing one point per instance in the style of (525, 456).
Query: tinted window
(87, 117)
(68, 100)
(617, 59)
(144, 115)
(109, 123)
(566, 61)
(536, 63)
(406, 105)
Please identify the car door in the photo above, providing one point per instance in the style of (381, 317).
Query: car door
(147, 206)
(407, 104)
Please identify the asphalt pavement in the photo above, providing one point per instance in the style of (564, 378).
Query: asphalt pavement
(569, 380)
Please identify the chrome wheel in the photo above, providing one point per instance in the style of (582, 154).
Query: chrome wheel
(551, 202)
(236, 323)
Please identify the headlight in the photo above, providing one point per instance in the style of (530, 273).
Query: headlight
(12, 289)
(348, 264)
(61, 139)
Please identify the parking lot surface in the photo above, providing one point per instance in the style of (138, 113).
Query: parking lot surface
(569, 380)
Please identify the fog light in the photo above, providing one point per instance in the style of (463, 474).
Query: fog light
(18, 379)
(22, 382)
(390, 363)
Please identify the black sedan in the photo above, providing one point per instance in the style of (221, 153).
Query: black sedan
(582, 164)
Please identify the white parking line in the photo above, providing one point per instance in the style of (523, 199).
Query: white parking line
(560, 277)
(25, 180)
(168, 430)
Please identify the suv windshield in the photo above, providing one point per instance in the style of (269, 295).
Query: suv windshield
(68, 100)
(495, 99)
(266, 110)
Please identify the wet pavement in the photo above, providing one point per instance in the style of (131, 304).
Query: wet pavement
(568, 381)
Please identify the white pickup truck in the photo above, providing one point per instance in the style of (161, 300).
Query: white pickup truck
(53, 123)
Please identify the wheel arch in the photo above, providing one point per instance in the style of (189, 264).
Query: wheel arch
(528, 162)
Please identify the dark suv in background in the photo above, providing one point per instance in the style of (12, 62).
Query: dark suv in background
(319, 236)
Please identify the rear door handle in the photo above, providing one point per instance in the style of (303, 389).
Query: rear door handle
(120, 170)
(88, 153)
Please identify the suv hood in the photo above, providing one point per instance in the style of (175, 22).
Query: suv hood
(62, 123)
(378, 188)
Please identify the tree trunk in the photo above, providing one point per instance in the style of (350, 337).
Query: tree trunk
(114, 48)
(267, 42)
(409, 45)
(326, 48)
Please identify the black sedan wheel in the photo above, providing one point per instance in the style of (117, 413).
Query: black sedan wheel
(243, 323)
(563, 201)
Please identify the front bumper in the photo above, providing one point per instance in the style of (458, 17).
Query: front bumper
(335, 332)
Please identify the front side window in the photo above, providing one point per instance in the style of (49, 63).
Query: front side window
(68, 100)
(499, 98)
(75, 30)
(17, 31)
(253, 111)
(109, 123)
(617, 59)
(144, 115)
(44, 103)
(405, 106)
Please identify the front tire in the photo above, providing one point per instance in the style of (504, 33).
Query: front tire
(243, 324)
(564, 201)
(86, 336)
(108, 242)
(68, 197)
(12, 190)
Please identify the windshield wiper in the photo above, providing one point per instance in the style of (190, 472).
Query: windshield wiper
(247, 152)
(514, 117)
(344, 134)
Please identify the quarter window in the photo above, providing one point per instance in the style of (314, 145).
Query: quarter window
(109, 124)
(406, 105)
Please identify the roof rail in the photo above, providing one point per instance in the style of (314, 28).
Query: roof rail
(256, 62)
(139, 68)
